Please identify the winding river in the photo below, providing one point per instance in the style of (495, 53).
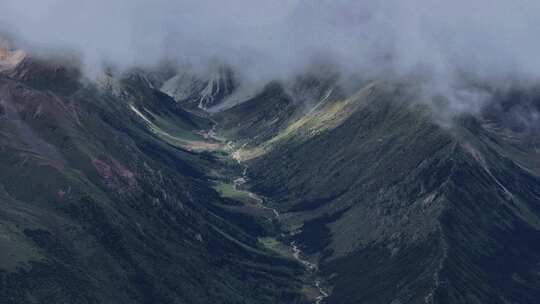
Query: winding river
(260, 203)
(293, 247)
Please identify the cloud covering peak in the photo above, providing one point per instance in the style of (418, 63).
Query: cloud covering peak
(490, 40)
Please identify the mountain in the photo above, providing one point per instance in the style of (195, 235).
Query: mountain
(9, 58)
(108, 196)
(277, 106)
(395, 207)
(168, 186)
(201, 90)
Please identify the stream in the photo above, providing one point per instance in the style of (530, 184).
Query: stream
(296, 251)
(238, 182)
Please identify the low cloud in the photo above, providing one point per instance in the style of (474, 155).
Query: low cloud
(446, 44)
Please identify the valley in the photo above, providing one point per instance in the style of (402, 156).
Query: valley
(269, 152)
(254, 204)
(338, 216)
(303, 192)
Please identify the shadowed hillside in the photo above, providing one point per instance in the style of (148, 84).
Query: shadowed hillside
(113, 191)
(105, 199)
(398, 209)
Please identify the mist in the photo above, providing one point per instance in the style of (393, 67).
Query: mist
(446, 44)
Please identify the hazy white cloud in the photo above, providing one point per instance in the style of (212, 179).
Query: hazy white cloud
(483, 40)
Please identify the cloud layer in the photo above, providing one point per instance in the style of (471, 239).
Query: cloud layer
(482, 40)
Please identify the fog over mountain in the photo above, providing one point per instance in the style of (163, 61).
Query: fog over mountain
(285, 151)
(441, 42)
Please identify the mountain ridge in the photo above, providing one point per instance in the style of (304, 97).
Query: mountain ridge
(136, 196)
(409, 174)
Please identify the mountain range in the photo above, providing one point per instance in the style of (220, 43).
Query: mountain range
(175, 186)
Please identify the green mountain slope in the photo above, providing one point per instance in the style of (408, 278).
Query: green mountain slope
(306, 192)
(105, 200)
(398, 209)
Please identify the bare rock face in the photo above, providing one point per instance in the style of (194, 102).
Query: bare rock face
(202, 91)
(9, 58)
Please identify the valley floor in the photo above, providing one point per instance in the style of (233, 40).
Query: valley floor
(256, 204)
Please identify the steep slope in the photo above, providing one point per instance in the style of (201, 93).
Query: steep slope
(201, 90)
(9, 58)
(259, 117)
(113, 192)
(397, 209)
(96, 208)
(276, 107)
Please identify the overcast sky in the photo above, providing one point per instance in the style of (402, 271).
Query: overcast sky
(492, 40)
